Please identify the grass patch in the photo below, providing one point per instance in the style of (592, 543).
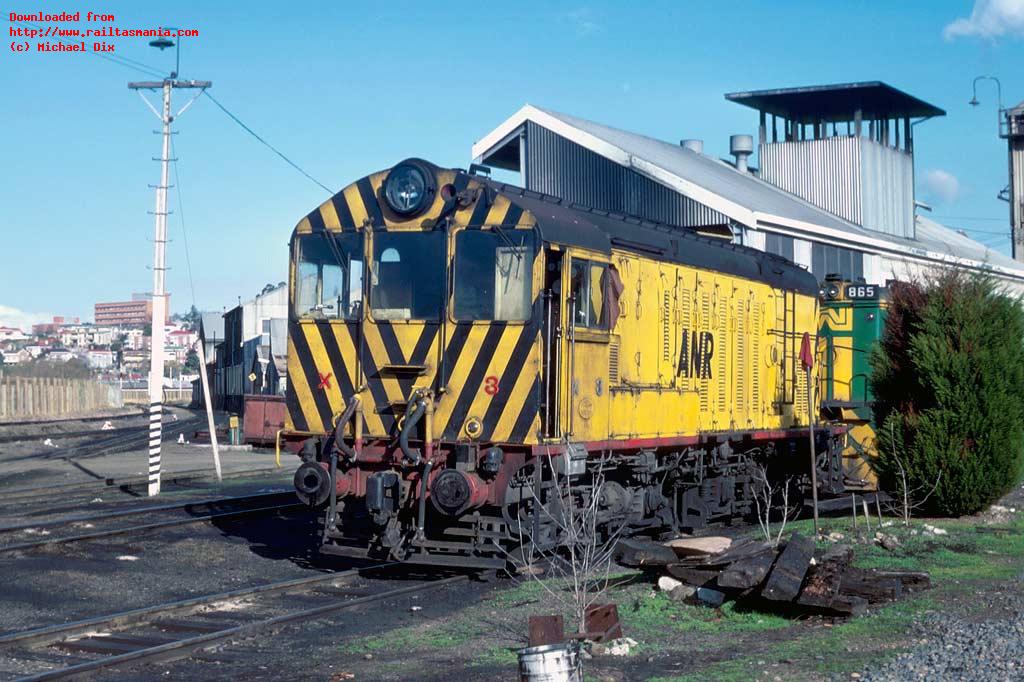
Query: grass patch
(745, 642)
(656, 622)
(847, 646)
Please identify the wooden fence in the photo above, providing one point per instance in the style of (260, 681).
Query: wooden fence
(140, 396)
(31, 397)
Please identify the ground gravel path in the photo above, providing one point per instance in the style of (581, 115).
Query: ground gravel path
(953, 648)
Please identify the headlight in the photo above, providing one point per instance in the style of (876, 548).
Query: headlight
(409, 188)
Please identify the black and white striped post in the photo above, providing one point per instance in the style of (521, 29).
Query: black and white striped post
(158, 338)
(155, 438)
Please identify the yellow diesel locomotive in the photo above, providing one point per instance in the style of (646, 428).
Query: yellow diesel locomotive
(458, 346)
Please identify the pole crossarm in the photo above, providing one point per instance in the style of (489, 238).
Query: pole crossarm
(156, 85)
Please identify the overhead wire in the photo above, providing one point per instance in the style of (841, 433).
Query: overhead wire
(266, 144)
(969, 217)
(181, 218)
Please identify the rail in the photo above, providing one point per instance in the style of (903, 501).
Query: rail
(103, 635)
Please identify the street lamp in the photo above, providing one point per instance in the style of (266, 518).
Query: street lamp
(999, 97)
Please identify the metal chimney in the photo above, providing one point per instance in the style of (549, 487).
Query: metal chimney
(693, 145)
(741, 146)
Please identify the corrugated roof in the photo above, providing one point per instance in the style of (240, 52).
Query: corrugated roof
(742, 197)
(717, 176)
(212, 325)
(944, 239)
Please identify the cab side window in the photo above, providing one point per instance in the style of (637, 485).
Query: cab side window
(329, 276)
(587, 290)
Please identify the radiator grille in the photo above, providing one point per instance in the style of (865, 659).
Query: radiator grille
(741, 369)
(666, 327)
(613, 360)
(705, 325)
(722, 346)
(755, 361)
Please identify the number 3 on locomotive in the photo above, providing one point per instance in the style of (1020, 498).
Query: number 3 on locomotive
(491, 385)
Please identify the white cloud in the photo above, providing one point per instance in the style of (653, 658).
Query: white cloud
(990, 19)
(12, 317)
(941, 187)
(584, 22)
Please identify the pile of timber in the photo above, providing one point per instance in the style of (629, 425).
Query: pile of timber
(793, 576)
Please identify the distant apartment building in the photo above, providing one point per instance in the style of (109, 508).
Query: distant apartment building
(134, 313)
(85, 335)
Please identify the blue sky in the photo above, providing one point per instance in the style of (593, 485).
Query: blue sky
(345, 90)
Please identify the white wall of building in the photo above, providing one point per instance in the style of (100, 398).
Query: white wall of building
(268, 306)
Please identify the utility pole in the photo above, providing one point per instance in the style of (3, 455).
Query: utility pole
(156, 365)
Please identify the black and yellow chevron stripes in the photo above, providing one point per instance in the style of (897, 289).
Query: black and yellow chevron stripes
(491, 371)
(321, 372)
(358, 204)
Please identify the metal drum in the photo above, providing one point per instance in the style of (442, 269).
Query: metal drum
(551, 663)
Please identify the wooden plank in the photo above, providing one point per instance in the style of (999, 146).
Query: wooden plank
(747, 572)
(911, 580)
(691, 575)
(699, 546)
(870, 586)
(636, 553)
(741, 550)
(790, 568)
(847, 605)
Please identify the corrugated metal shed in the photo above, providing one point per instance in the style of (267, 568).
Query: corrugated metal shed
(834, 184)
(887, 189)
(741, 197)
(561, 168)
(855, 178)
(704, 179)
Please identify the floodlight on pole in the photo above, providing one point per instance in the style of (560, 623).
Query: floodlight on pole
(999, 93)
(163, 42)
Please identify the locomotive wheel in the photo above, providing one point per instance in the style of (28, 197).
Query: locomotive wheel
(519, 508)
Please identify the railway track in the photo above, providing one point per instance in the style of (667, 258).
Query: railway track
(64, 435)
(131, 438)
(180, 629)
(69, 420)
(128, 483)
(64, 530)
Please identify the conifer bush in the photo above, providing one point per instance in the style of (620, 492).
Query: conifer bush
(948, 378)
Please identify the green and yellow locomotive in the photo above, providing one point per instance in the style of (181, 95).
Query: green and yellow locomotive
(458, 346)
(852, 320)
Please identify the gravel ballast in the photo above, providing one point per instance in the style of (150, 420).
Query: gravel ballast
(962, 649)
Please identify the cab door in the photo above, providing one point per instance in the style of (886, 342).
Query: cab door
(590, 283)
